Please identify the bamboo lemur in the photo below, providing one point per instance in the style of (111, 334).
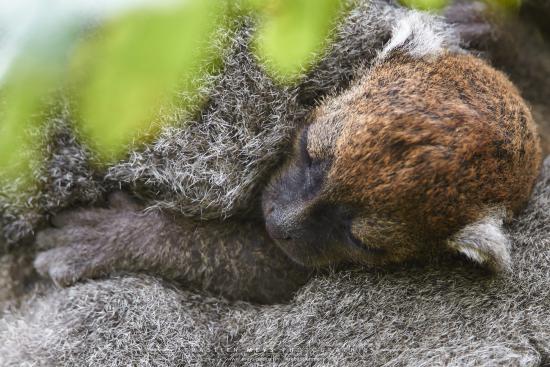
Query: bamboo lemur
(428, 150)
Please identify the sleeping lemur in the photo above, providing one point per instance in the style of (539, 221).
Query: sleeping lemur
(428, 150)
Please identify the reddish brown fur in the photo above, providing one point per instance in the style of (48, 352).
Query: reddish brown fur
(432, 145)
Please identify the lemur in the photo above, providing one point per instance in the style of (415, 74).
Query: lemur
(428, 150)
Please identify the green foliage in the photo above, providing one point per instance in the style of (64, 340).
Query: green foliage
(294, 31)
(37, 72)
(433, 5)
(436, 5)
(135, 66)
(506, 5)
(24, 94)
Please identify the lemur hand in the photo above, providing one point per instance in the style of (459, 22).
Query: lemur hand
(87, 243)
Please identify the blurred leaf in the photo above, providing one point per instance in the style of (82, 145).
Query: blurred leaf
(37, 39)
(24, 95)
(506, 5)
(293, 32)
(133, 68)
(425, 4)
(435, 5)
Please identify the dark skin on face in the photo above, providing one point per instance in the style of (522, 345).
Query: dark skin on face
(302, 219)
(408, 156)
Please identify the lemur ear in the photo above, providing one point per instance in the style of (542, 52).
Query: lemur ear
(419, 34)
(485, 243)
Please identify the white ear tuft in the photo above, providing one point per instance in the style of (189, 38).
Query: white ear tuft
(485, 243)
(421, 34)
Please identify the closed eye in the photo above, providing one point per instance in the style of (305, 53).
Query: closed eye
(350, 215)
(304, 154)
(314, 170)
(363, 246)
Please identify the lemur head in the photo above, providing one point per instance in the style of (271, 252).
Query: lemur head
(417, 154)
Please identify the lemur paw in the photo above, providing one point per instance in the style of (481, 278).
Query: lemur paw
(63, 266)
(471, 22)
(82, 243)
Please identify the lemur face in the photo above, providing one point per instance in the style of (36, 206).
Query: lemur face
(312, 215)
(303, 207)
(418, 155)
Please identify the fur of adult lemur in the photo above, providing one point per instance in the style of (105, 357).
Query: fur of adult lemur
(426, 150)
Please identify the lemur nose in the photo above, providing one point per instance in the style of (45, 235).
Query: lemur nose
(276, 229)
(280, 222)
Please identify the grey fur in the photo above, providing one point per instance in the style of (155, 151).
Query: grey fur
(441, 315)
(198, 163)
(445, 315)
(212, 167)
(64, 177)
